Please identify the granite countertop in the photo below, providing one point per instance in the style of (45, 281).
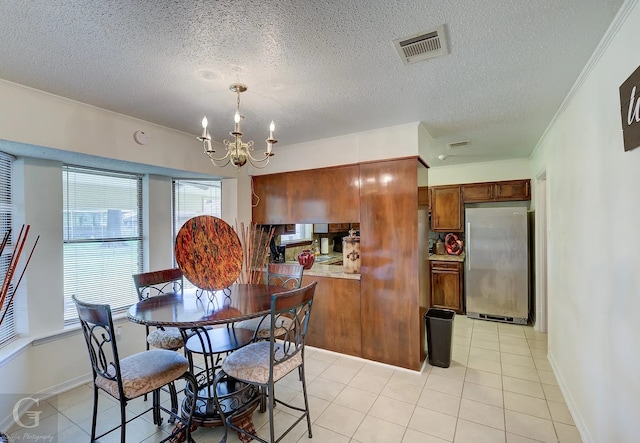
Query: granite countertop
(447, 257)
(326, 269)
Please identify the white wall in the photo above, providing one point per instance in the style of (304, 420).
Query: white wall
(479, 172)
(379, 144)
(41, 119)
(594, 244)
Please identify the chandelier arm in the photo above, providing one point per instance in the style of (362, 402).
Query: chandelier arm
(220, 165)
(210, 155)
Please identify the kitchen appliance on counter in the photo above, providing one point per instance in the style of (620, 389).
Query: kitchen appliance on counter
(276, 252)
(497, 263)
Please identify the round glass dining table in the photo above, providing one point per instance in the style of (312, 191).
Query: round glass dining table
(198, 310)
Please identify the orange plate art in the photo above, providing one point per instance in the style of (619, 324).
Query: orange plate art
(208, 252)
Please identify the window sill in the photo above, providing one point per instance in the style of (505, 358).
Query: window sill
(293, 243)
(13, 349)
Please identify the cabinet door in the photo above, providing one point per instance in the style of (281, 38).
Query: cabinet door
(477, 192)
(446, 285)
(335, 315)
(446, 209)
(339, 227)
(311, 196)
(513, 190)
(423, 196)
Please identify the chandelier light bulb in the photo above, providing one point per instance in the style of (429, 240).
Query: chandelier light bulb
(272, 127)
(205, 123)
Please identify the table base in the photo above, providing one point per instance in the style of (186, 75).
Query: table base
(235, 397)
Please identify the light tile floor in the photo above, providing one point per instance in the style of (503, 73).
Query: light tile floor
(499, 388)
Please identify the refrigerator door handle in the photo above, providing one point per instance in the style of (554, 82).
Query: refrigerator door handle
(468, 248)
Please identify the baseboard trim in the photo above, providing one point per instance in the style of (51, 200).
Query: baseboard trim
(571, 403)
(44, 395)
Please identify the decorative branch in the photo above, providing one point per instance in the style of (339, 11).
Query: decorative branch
(13, 264)
(255, 242)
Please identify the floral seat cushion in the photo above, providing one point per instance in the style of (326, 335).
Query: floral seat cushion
(167, 338)
(145, 372)
(282, 324)
(251, 363)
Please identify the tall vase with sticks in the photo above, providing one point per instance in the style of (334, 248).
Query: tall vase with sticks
(9, 288)
(255, 243)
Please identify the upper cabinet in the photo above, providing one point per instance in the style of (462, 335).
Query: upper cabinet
(512, 190)
(313, 196)
(447, 202)
(424, 196)
(446, 209)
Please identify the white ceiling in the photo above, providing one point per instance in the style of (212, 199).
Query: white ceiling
(318, 68)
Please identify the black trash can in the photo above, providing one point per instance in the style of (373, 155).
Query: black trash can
(439, 326)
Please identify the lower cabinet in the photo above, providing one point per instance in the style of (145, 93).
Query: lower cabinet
(335, 315)
(446, 285)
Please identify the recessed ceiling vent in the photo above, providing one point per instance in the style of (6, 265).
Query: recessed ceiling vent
(422, 46)
(456, 145)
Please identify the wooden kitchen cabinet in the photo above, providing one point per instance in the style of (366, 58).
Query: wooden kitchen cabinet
(477, 192)
(446, 285)
(339, 227)
(510, 190)
(513, 190)
(424, 196)
(335, 315)
(446, 209)
(311, 196)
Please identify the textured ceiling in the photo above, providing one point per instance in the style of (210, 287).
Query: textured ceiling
(318, 68)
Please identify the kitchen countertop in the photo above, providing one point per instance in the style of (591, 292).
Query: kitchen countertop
(447, 257)
(324, 269)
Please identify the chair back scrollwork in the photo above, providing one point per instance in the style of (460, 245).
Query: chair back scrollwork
(98, 331)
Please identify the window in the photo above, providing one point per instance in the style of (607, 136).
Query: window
(195, 197)
(102, 224)
(8, 327)
(192, 198)
(303, 232)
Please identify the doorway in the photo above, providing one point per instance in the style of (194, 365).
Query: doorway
(541, 307)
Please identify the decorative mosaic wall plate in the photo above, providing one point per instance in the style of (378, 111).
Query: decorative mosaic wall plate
(208, 252)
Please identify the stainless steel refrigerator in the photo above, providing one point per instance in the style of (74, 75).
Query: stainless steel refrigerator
(497, 263)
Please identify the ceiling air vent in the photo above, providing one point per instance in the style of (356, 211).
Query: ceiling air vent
(456, 145)
(422, 46)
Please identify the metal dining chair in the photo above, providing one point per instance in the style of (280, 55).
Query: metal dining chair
(261, 364)
(286, 275)
(150, 284)
(133, 376)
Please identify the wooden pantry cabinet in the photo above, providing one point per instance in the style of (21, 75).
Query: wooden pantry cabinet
(510, 190)
(446, 285)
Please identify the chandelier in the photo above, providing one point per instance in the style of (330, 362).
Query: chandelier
(238, 152)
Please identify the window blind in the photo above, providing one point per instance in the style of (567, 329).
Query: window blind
(8, 330)
(192, 198)
(102, 234)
